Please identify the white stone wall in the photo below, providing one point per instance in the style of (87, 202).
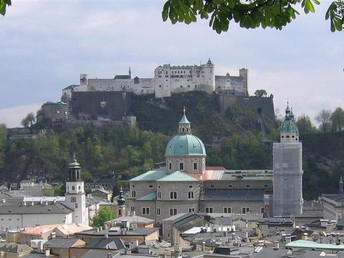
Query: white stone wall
(15, 221)
(167, 80)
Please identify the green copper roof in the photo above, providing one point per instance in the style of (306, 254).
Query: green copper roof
(177, 176)
(184, 120)
(187, 144)
(288, 125)
(74, 163)
(148, 197)
(151, 175)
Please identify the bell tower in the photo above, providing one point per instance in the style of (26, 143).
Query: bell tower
(287, 169)
(75, 194)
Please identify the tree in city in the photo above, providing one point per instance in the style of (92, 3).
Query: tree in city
(248, 13)
(337, 119)
(260, 93)
(103, 214)
(324, 120)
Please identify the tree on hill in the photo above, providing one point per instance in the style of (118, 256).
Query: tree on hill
(304, 124)
(337, 119)
(260, 93)
(249, 13)
(29, 121)
(324, 119)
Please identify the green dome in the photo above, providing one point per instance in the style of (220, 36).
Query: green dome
(288, 125)
(74, 163)
(187, 144)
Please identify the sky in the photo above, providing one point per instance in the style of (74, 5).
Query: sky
(45, 45)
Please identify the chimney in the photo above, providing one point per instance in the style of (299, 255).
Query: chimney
(276, 245)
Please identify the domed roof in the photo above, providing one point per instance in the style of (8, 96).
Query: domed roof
(74, 163)
(289, 125)
(186, 144)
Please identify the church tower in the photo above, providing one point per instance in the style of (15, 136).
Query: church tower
(75, 194)
(287, 169)
(121, 204)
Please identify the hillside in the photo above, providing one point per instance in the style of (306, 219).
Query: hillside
(234, 140)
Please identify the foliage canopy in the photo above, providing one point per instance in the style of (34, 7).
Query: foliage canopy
(248, 13)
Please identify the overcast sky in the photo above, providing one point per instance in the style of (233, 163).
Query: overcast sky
(45, 45)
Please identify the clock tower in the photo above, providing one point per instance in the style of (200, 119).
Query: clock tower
(75, 194)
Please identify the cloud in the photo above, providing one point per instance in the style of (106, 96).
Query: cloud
(12, 117)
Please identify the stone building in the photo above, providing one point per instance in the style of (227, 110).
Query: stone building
(167, 80)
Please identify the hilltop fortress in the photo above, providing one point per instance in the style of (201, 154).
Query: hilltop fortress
(167, 80)
(109, 100)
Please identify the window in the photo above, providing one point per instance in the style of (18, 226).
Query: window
(150, 186)
(191, 210)
(170, 165)
(227, 210)
(209, 210)
(76, 205)
(195, 166)
(145, 210)
(181, 166)
(173, 195)
(132, 209)
(173, 211)
(159, 195)
(72, 199)
(262, 210)
(133, 194)
(245, 210)
(190, 195)
(248, 186)
(158, 211)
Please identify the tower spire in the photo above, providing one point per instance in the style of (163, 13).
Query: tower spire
(184, 124)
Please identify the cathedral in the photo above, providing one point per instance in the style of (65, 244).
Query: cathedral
(186, 184)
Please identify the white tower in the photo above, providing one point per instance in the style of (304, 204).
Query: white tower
(287, 169)
(75, 194)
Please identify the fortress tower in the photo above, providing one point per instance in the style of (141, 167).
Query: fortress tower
(75, 194)
(287, 169)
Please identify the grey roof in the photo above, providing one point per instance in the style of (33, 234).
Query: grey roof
(58, 242)
(335, 197)
(222, 220)
(110, 233)
(106, 243)
(14, 248)
(276, 221)
(55, 208)
(99, 254)
(131, 219)
(151, 175)
(233, 195)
